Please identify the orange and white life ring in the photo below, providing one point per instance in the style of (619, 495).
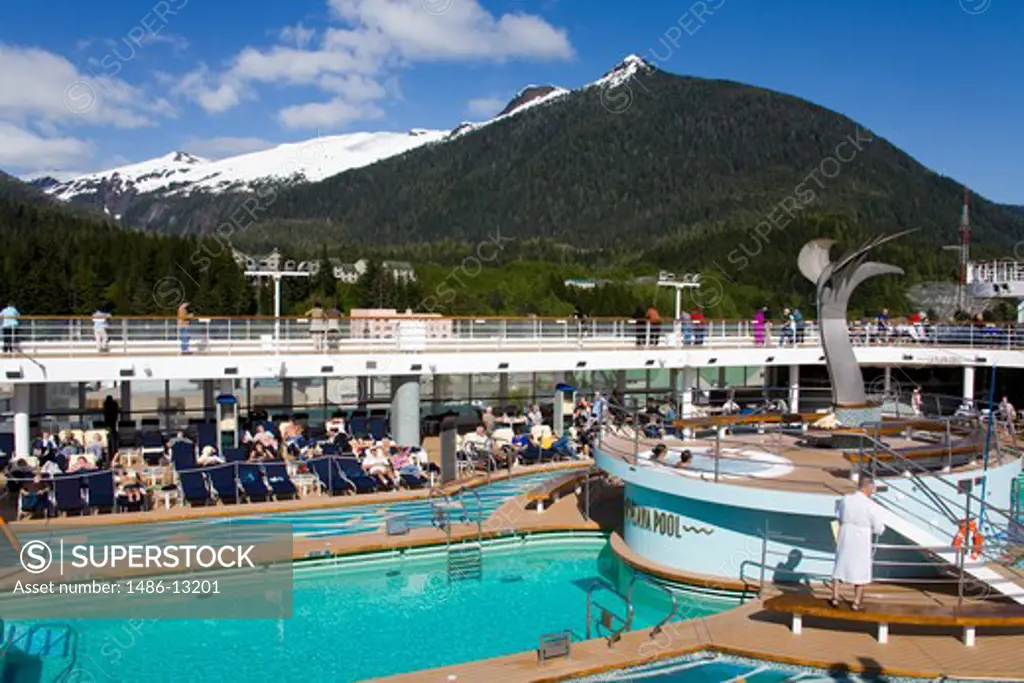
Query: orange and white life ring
(976, 541)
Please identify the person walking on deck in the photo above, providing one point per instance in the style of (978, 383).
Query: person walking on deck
(859, 523)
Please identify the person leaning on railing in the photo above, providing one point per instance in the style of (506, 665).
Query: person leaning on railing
(317, 325)
(185, 316)
(10, 317)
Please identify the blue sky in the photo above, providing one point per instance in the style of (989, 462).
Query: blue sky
(85, 86)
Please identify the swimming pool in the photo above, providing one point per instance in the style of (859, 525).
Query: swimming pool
(372, 616)
(734, 463)
(370, 517)
(706, 667)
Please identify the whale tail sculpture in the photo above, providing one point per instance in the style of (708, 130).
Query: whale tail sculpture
(835, 282)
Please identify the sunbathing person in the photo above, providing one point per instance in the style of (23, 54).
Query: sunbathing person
(210, 456)
(130, 487)
(259, 453)
(35, 497)
(378, 465)
(685, 458)
(82, 463)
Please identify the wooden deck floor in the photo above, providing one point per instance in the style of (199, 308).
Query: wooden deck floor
(748, 631)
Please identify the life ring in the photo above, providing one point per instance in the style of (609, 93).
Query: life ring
(969, 528)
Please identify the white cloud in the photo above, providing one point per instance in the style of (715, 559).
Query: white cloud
(47, 90)
(485, 107)
(297, 35)
(217, 148)
(355, 60)
(334, 113)
(22, 149)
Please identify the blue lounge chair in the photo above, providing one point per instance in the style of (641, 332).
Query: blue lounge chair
(206, 435)
(67, 492)
(378, 427)
(357, 427)
(152, 446)
(250, 476)
(330, 449)
(194, 488)
(280, 483)
(224, 483)
(353, 471)
(183, 455)
(330, 475)
(413, 480)
(101, 491)
(235, 455)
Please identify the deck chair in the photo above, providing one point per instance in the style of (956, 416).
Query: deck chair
(224, 483)
(235, 455)
(101, 491)
(206, 435)
(250, 476)
(194, 489)
(152, 446)
(183, 455)
(67, 492)
(353, 471)
(280, 483)
(330, 475)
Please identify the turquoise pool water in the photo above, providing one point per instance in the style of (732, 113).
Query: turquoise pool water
(379, 617)
(361, 519)
(712, 668)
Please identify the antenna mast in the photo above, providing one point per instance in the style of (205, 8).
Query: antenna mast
(965, 250)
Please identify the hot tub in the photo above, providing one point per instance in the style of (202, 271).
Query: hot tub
(735, 463)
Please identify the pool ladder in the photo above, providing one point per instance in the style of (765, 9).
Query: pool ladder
(607, 617)
(465, 558)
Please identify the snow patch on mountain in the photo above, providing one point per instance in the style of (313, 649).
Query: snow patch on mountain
(529, 97)
(623, 72)
(182, 173)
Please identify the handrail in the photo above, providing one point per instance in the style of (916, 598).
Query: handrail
(671, 596)
(479, 510)
(615, 635)
(935, 477)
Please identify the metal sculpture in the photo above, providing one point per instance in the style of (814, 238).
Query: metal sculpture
(835, 282)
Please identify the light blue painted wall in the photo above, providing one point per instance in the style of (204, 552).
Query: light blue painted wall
(737, 515)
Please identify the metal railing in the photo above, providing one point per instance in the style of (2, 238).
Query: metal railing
(927, 570)
(614, 634)
(141, 336)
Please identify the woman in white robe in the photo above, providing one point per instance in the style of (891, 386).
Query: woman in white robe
(859, 522)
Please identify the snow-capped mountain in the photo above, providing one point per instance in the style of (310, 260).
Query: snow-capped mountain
(181, 173)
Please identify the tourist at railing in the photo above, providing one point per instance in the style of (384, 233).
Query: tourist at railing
(801, 325)
(654, 326)
(788, 328)
(185, 317)
(317, 325)
(100, 321)
(759, 326)
(9, 316)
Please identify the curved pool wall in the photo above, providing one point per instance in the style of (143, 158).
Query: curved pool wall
(700, 527)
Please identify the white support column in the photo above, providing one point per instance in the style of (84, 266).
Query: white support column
(883, 633)
(81, 405)
(798, 624)
(794, 388)
(688, 380)
(405, 409)
(887, 380)
(1020, 312)
(969, 384)
(969, 636)
(22, 403)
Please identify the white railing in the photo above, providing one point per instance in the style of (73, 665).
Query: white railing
(994, 272)
(146, 336)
